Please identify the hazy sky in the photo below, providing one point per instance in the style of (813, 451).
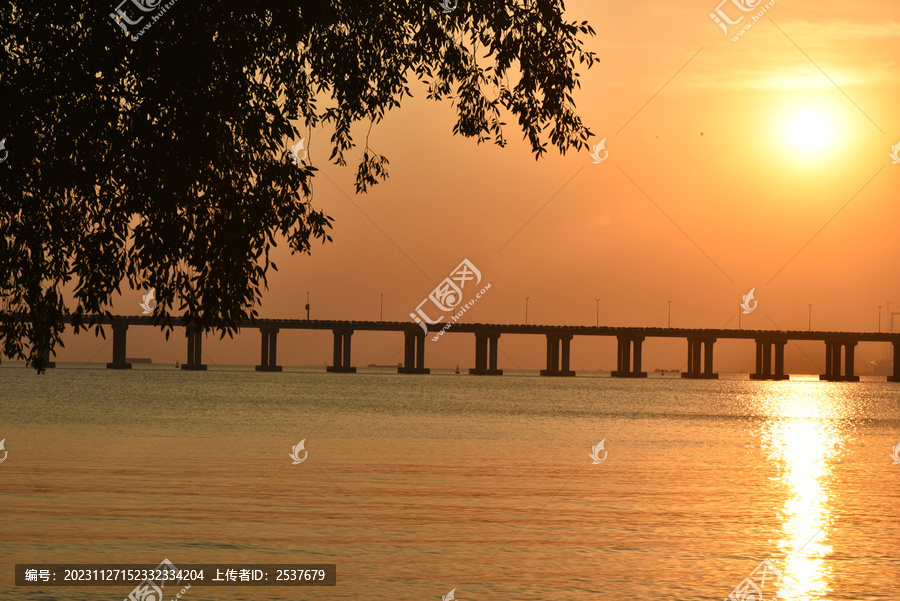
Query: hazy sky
(725, 160)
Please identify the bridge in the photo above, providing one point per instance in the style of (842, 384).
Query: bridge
(839, 346)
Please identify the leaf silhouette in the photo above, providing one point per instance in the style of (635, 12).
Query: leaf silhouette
(175, 171)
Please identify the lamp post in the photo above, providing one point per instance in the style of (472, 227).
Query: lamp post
(526, 309)
(381, 312)
(809, 325)
(890, 319)
(890, 326)
(670, 314)
(597, 300)
(307, 306)
(879, 319)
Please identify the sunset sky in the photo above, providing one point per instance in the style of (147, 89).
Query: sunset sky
(725, 160)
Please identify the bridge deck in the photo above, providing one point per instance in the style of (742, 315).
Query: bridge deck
(407, 326)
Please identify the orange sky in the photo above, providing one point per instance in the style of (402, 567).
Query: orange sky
(702, 161)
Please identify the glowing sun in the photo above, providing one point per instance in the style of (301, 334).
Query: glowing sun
(810, 131)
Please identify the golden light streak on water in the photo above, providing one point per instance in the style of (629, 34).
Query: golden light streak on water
(805, 440)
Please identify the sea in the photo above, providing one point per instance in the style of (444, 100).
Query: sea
(453, 486)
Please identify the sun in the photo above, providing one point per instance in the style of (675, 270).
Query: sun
(810, 131)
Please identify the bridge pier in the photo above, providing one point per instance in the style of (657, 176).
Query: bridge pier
(695, 369)
(268, 358)
(118, 358)
(833, 361)
(341, 361)
(558, 351)
(764, 368)
(895, 374)
(628, 360)
(413, 354)
(194, 351)
(486, 355)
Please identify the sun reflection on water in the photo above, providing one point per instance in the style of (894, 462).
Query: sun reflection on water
(804, 439)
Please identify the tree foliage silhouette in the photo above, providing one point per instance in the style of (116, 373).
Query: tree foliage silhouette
(157, 155)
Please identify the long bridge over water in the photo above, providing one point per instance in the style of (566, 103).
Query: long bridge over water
(839, 346)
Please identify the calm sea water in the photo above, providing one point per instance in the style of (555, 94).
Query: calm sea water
(416, 485)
